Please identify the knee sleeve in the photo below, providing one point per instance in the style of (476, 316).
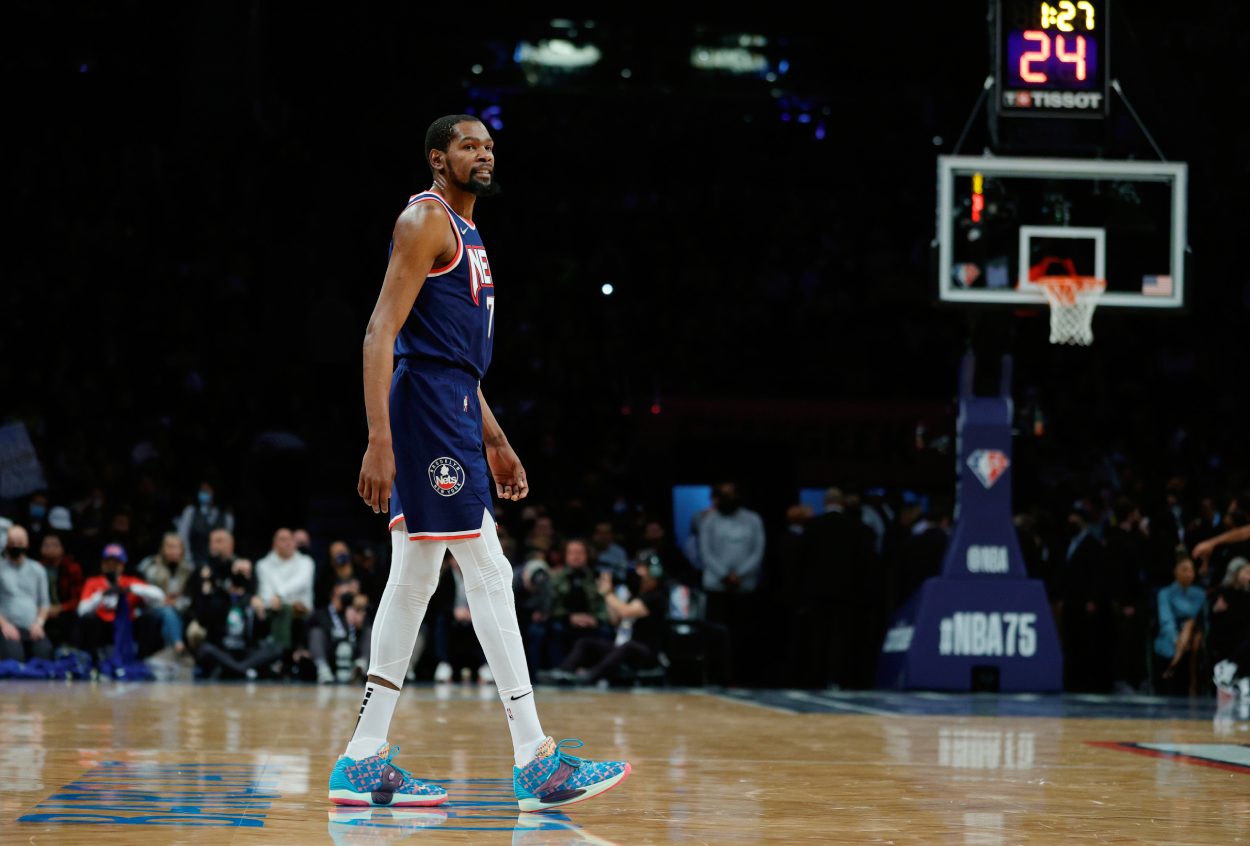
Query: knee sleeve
(415, 567)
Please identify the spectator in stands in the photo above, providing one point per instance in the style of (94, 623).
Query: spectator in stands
(838, 555)
(609, 555)
(576, 606)
(1088, 624)
(731, 547)
(170, 569)
(655, 539)
(340, 570)
(455, 644)
(64, 589)
(37, 513)
(101, 596)
(198, 521)
(643, 616)
(926, 548)
(89, 515)
(285, 585)
(24, 601)
(531, 584)
(235, 623)
(338, 635)
(1127, 563)
(877, 516)
(303, 541)
(1181, 606)
(370, 573)
(221, 555)
(541, 536)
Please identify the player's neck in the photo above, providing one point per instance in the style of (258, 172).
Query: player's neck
(460, 201)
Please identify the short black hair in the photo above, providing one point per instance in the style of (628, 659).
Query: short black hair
(442, 132)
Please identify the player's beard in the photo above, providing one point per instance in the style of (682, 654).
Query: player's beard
(476, 188)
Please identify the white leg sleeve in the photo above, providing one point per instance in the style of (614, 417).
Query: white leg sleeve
(415, 567)
(488, 588)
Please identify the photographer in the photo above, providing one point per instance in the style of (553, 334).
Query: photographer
(338, 636)
(235, 624)
(100, 597)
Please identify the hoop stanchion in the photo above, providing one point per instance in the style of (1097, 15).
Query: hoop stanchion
(1072, 302)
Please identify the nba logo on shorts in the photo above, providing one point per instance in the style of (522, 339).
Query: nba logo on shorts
(446, 476)
(988, 465)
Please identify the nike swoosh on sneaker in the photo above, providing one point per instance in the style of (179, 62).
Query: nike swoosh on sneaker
(522, 696)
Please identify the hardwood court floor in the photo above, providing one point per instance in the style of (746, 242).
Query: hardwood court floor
(247, 764)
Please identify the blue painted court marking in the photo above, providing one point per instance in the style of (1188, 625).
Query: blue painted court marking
(1232, 757)
(121, 793)
(891, 703)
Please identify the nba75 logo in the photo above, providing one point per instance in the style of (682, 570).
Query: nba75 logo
(988, 465)
(446, 476)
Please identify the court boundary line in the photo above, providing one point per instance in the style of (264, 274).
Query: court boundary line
(1127, 746)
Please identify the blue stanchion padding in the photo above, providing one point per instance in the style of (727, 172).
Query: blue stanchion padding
(952, 626)
(983, 610)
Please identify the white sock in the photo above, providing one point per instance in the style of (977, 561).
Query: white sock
(488, 588)
(527, 731)
(374, 721)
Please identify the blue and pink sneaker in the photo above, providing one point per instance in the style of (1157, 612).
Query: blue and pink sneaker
(555, 778)
(376, 782)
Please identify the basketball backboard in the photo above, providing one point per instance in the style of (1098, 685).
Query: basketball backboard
(1004, 222)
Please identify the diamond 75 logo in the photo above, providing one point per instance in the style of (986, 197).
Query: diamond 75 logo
(989, 465)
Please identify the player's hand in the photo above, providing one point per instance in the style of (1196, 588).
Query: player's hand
(509, 474)
(377, 474)
(1203, 551)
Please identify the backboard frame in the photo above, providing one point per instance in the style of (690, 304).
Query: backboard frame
(1176, 173)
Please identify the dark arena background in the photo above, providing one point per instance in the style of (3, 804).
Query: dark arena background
(773, 327)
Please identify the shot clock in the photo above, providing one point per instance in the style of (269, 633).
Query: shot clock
(1052, 58)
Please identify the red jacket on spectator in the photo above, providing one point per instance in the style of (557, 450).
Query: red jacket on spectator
(69, 584)
(105, 607)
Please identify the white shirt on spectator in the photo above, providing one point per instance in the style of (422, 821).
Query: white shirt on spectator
(731, 543)
(289, 579)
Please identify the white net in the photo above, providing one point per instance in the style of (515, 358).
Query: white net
(1072, 302)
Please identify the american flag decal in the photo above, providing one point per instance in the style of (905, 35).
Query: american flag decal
(1156, 286)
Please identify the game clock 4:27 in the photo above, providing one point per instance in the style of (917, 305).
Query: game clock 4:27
(1053, 57)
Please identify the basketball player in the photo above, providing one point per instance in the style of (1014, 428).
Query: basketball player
(434, 448)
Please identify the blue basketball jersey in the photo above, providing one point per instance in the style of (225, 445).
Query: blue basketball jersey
(453, 319)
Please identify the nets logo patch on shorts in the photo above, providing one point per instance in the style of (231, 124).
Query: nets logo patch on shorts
(446, 476)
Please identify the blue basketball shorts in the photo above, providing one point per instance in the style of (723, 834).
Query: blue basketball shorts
(442, 482)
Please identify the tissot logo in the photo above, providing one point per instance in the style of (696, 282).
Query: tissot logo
(1074, 100)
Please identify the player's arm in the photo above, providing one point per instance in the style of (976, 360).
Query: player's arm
(505, 467)
(422, 236)
(1203, 550)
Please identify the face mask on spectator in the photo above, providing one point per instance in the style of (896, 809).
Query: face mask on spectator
(343, 558)
(205, 498)
(37, 512)
(15, 552)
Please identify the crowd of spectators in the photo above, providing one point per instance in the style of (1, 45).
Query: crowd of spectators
(1147, 594)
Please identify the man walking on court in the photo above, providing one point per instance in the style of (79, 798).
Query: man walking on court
(434, 447)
